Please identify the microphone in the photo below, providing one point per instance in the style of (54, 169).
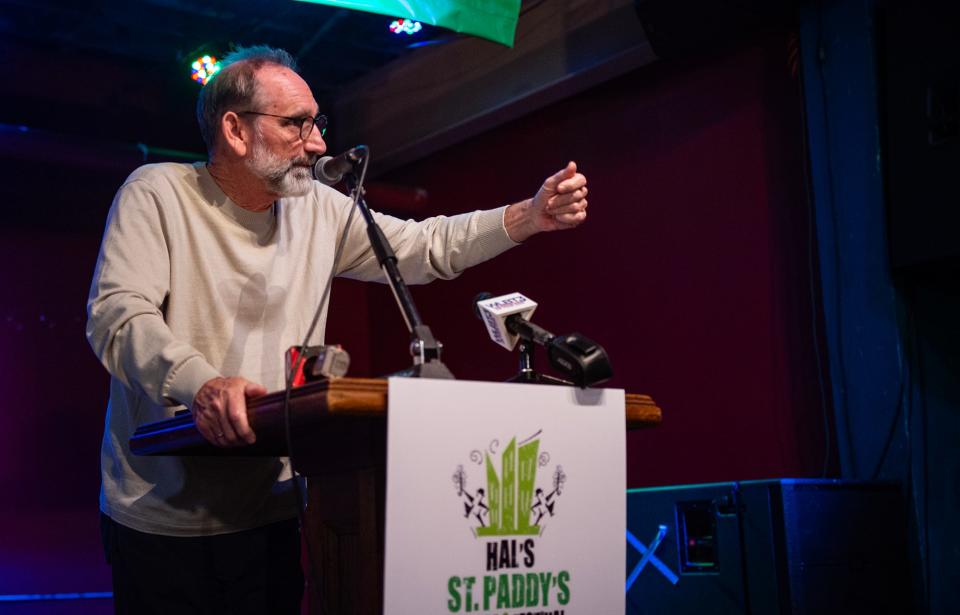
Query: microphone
(504, 316)
(330, 170)
(507, 319)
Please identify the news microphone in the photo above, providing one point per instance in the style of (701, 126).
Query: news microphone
(330, 170)
(501, 315)
(507, 319)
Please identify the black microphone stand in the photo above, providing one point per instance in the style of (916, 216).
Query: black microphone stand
(527, 373)
(424, 348)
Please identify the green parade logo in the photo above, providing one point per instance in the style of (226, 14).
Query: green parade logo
(509, 512)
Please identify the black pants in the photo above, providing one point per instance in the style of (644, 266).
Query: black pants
(255, 571)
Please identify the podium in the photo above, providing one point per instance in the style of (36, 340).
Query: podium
(338, 433)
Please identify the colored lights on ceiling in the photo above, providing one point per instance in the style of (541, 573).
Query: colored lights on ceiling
(405, 26)
(204, 68)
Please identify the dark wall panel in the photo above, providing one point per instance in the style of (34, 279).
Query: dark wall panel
(693, 269)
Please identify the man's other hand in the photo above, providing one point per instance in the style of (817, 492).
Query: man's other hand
(220, 411)
(560, 203)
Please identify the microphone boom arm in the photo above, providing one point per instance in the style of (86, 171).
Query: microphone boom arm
(424, 348)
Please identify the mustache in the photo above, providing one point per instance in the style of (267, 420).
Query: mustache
(304, 161)
(301, 162)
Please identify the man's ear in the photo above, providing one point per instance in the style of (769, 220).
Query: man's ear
(236, 135)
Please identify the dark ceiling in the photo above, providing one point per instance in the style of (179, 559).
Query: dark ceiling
(91, 90)
(118, 70)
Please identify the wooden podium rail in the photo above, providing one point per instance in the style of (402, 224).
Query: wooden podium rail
(311, 406)
(338, 428)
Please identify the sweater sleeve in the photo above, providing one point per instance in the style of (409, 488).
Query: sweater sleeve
(125, 323)
(439, 247)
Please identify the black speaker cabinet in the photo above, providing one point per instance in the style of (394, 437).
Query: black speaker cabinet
(768, 547)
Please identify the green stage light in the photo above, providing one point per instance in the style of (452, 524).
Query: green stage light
(204, 68)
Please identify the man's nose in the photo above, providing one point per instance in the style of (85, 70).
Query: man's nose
(315, 143)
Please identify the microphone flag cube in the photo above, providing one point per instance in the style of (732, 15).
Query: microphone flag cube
(495, 312)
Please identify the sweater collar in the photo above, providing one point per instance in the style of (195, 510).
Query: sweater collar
(253, 220)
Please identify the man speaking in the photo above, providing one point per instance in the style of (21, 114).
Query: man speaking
(206, 273)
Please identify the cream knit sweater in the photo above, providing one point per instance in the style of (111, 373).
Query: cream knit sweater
(189, 286)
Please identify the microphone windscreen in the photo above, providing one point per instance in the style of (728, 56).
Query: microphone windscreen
(319, 172)
(495, 310)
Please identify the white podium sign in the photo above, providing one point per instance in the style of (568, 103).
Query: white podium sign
(504, 499)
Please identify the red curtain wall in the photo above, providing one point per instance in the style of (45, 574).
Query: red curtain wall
(693, 269)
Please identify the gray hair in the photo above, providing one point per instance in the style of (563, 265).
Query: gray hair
(235, 86)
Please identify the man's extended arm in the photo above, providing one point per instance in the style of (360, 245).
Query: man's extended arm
(444, 246)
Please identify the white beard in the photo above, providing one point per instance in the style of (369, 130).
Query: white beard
(286, 178)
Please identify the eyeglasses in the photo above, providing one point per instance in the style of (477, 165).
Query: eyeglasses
(306, 123)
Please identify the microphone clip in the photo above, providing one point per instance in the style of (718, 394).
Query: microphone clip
(583, 362)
